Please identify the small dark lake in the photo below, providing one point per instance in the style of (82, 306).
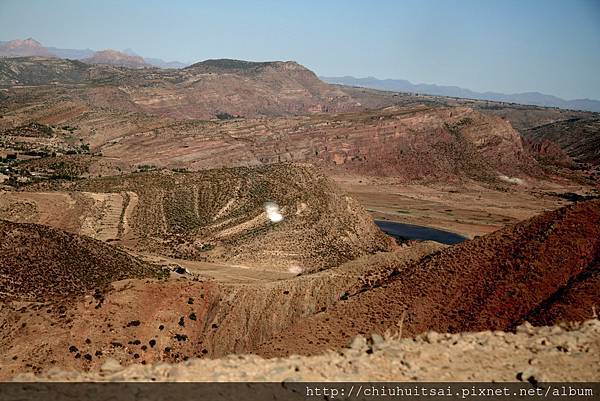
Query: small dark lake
(411, 231)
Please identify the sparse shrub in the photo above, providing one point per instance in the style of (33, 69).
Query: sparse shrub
(146, 167)
(225, 116)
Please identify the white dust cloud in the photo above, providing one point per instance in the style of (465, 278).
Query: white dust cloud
(295, 269)
(512, 180)
(272, 210)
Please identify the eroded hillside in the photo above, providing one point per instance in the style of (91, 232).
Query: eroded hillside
(495, 282)
(414, 289)
(263, 89)
(213, 215)
(40, 263)
(579, 137)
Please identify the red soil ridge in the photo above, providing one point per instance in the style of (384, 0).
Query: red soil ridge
(544, 270)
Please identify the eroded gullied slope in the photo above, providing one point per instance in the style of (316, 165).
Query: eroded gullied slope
(412, 143)
(91, 309)
(543, 269)
(222, 215)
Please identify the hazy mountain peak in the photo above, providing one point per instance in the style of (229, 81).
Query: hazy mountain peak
(23, 48)
(31, 47)
(115, 57)
(29, 42)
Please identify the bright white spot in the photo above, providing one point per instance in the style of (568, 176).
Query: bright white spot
(272, 210)
(512, 180)
(294, 269)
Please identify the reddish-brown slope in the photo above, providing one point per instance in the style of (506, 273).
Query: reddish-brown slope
(492, 282)
(432, 143)
(578, 137)
(576, 301)
(548, 153)
(228, 88)
(136, 321)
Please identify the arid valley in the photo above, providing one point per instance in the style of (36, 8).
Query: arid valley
(217, 223)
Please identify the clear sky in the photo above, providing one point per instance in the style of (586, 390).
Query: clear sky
(506, 46)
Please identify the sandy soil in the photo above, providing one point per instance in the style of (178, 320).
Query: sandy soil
(221, 272)
(468, 209)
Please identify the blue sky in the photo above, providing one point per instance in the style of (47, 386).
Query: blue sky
(485, 45)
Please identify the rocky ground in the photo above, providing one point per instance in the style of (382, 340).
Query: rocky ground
(189, 315)
(543, 354)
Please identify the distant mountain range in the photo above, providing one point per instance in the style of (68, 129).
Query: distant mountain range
(401, 85)
(31, 47)
(129, 58)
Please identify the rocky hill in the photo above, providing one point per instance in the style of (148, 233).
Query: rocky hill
(268, 223)
(230, 88)
(204, 90)
(142, 117)
(578, 137)
(41, 71)
(221, 66)
(23, 48)
(410, 143)
(217, 215)
(41, 264)
(113, 57)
